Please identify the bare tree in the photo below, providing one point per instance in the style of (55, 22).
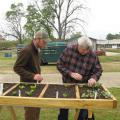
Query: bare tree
(14, 19)
(59, 16)
(66, 16)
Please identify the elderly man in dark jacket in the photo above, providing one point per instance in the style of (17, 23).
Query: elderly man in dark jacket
(79, 64)
(28, 67)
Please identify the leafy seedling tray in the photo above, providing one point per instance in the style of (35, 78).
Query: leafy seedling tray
(57, 95)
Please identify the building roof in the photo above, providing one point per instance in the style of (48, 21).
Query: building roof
(114, 41)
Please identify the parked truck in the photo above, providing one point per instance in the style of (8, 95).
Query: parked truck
(50, 53)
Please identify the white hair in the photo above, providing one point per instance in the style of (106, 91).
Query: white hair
(41, 34)
(85, 42)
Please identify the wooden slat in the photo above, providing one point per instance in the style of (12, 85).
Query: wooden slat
(108, 92)
(12, 112)
(77, 92)
(115, 104)
(77, 111)
(114, 99)
(90, 113)
(9, 90)
(57, 103)
(43, 91)
(0, 108)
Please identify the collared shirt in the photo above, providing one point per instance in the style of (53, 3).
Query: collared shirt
(72, 61)
(38, 49)
(39, 52)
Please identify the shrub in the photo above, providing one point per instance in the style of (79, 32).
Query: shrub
(100, 52)
(7, 45)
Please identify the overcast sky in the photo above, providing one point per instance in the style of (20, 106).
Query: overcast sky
(103, 16)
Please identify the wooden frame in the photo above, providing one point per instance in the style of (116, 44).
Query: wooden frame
(74, 103)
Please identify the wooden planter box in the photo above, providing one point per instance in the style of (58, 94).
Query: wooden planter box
(52, 95)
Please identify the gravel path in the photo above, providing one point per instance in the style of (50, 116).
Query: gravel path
(109, 79)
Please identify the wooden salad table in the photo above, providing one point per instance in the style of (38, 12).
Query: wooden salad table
(75, 96)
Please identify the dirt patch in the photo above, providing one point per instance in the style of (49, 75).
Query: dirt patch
(25, 90)
(60, 91)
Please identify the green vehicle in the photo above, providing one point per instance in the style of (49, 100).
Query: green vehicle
(52, 51)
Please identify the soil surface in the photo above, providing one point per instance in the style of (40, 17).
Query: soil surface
(56, 91)
(6, 86)
(60, 91)
(26, 90)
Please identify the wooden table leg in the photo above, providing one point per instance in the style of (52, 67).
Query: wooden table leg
(0, 108)
(12, 112)
(77, 111)
(90, 114)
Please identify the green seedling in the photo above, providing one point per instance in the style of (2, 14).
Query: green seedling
(29, 93)
(95, 92)
(65, 95)
(25, 84)
(65, 85)
(33, 87)
(105, 94)
(96, 86)
(87, 94)
(21, 86)
(83, 95)
(14, 93)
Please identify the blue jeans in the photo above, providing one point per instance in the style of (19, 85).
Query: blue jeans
(83, 115)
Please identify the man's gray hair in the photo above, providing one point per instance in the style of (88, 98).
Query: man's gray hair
(41, 34)
(85, 43)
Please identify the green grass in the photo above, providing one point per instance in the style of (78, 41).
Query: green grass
(109, 64)
(6, 64)
(110, 114)
(104, 59)
(51, 114)
(113, 50)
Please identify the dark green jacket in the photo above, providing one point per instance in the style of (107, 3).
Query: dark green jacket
(28, 63)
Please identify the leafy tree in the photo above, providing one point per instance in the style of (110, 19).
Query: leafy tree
(76, 35)
(32, 24)
(14, 18)
(48, 16)
(36, 18)
(60, 16)
(112, 36)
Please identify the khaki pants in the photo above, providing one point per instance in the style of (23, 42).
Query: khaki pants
(32, 113)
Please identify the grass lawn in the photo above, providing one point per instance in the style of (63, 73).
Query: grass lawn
(107, 67)
(104, 59)
(51, 114)
(113, 50)
(109, 64)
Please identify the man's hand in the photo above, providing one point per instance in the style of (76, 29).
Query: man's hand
(38, 77)
(76, 76)
(91, 82)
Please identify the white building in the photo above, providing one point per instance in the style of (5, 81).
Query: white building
(115, 43)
